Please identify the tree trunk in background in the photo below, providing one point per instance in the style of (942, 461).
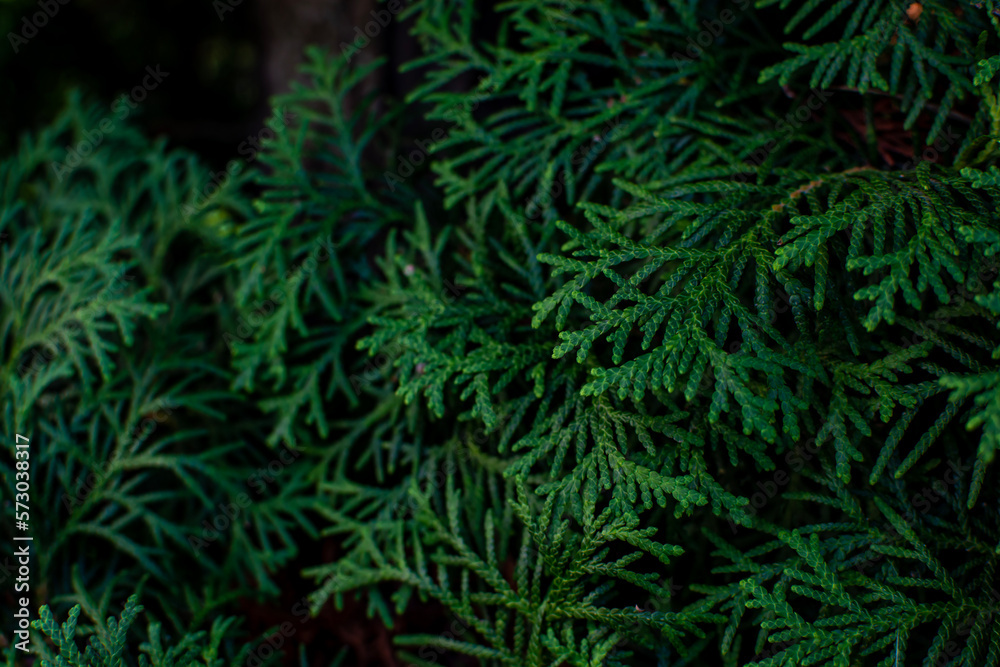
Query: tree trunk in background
(289, 27)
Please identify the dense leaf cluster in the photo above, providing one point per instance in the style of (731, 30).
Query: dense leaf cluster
(653, 355)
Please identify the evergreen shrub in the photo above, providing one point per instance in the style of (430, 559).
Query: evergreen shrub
(636, 334)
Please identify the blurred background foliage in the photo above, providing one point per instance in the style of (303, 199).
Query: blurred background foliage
(102, 47)
(225, 59)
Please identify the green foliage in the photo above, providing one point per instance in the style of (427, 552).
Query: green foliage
(637, 326)
(109, 645)
(887, 46)
(877, 582)
(300, 256)
(108, 294)
(581, 354)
